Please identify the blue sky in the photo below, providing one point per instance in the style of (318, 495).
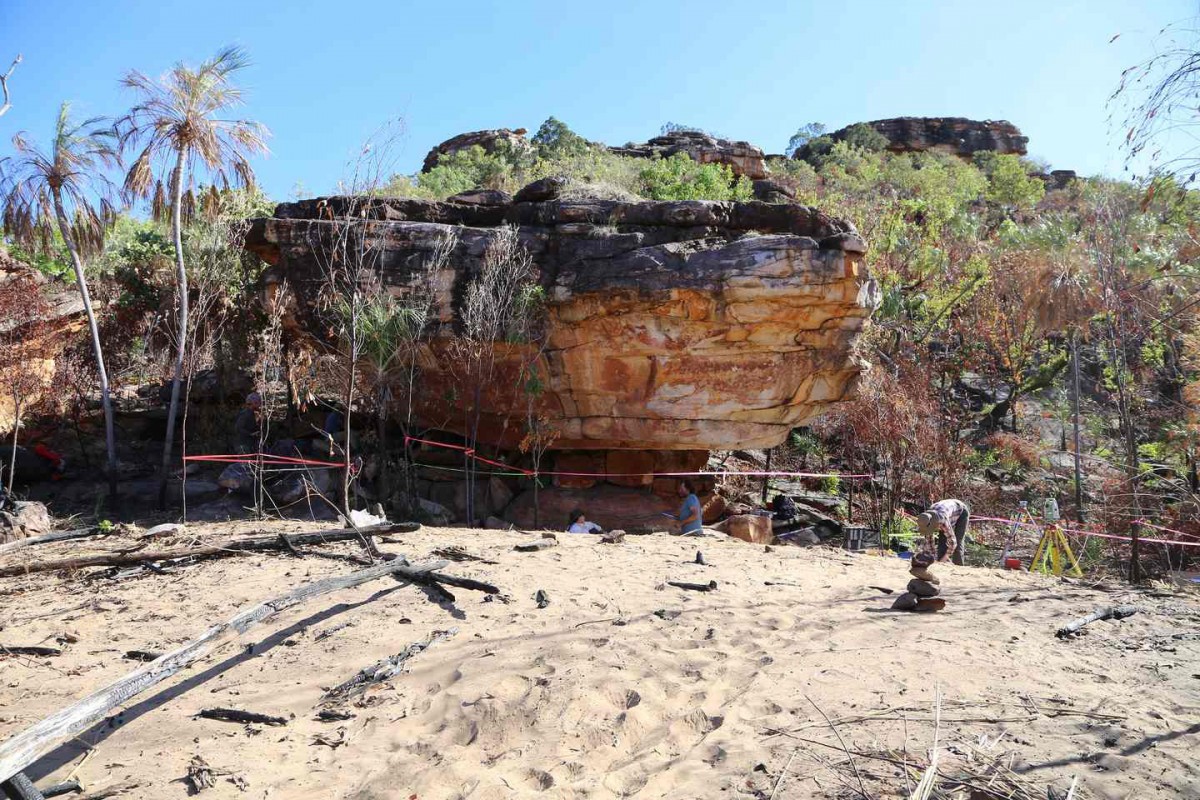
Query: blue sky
(325, 76)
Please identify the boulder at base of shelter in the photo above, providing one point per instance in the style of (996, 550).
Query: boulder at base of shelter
(751, 528)
(24, 519)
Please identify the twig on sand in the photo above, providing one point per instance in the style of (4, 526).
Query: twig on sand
(783, 774)
(861, 788)
(925, 786)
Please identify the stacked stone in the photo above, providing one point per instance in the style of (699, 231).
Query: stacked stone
(922, 589)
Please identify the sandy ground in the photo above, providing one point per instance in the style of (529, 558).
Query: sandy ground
(598, 696)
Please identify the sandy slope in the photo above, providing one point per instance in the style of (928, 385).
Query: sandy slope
(596, 696)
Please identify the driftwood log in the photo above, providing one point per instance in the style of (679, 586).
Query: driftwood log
(1106, 612)
(227, 548)
(26, 747)
(383, 669)
(57, 536)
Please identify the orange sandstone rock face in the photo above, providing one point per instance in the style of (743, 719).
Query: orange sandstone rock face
(670, 325)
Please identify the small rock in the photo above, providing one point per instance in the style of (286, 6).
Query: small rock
(923, 588)
(667, 613)
(905, 602)
(541, 598)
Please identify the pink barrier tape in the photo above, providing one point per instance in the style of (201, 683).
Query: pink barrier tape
(264, 458)
(755, 474)
(1078, 532)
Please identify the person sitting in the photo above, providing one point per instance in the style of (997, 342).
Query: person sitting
(246, 425)
(577, 523)
(31, 465)
(949, 520)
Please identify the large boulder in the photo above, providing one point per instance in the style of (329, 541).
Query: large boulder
(24, 519)
(742, 157)
(498, 139)
(956, 135)
(669, 325)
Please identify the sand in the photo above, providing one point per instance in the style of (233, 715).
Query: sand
(598, 696)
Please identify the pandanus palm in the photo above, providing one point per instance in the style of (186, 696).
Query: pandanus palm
(179, 127)
(65, 187)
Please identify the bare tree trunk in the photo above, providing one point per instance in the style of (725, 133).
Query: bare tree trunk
(1075, 413)
(181, 286)
(346, 420)
(110, 439)
(381, 436)
(12, 457)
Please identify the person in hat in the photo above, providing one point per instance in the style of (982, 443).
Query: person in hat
(948, 519)
(246, 425)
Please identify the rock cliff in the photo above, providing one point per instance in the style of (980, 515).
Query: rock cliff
(489, 140)
(670, 325)
(741, 157)
(958, 135)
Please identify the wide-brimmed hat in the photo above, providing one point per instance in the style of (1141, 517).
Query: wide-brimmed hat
(927, 523)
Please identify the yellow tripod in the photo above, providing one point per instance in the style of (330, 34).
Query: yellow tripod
(1051, 551)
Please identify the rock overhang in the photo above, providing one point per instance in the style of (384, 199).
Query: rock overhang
(686, 325)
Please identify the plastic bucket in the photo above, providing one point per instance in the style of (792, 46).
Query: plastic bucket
(1012, 563)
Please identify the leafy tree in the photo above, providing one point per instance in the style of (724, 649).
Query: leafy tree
(181, 125)
(554, 140)
(681, 178)
(803, 136)
(1009, 184)
(674, 127)
(864, 137)
(65, 187)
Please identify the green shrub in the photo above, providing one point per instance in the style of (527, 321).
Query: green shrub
(681, 178)
(1009, 183)
(555, 140)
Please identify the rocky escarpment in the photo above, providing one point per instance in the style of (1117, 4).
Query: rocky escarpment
(670, 325)
(490, 140)
(957, 135)
(742, 157)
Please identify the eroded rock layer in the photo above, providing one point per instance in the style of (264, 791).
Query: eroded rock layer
(958, 135)
(670, 325)
(741, 157)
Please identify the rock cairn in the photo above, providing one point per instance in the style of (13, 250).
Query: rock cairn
(923, 589)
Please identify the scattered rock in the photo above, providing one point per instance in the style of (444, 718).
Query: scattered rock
(481, 197)
(923, 588)
(541, 598)
(905, 602)
(542, 190)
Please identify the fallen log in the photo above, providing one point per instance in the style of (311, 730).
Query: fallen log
(1105, 612)
(57, 536)
(23, 749)
(57, 789)
(19, 787)
(382, 670)
(237, 715)
(228, 548)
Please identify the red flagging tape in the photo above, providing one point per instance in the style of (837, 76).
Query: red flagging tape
(469, 451)
(265, 458)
